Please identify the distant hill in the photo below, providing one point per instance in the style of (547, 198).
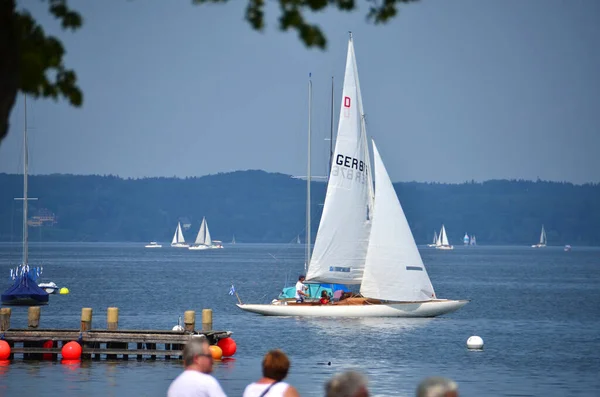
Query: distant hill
(257, 206)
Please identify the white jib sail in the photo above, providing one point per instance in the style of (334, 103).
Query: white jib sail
(343, 235)
(394, 270)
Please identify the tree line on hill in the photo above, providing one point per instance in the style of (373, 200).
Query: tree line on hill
(260, 207)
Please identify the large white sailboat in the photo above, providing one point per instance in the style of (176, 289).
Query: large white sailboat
(542, 242)
(442, 242)
(203, 240)
(178, 240)
(363, 236)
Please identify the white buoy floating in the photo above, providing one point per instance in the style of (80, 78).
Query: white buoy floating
(475, 343)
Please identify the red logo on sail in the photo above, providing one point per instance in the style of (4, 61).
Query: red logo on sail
(346, 101)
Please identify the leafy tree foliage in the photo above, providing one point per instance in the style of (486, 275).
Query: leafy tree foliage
(256, 206)
(31, 62)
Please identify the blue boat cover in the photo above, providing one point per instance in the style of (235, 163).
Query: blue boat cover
(25, 290)
(314, 290)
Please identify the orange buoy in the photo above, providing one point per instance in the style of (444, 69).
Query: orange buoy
(71, 351)
(4, 350)
(228, 346)
(48, 345)
(216, 352)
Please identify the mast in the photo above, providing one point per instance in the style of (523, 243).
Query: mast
(331, 131)
(308, 234)
(25, 187)
(25, 166)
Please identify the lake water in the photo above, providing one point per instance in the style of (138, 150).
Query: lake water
(536, 309)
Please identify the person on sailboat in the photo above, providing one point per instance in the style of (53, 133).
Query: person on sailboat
(275, 367)
(300, 288)
(324, 298)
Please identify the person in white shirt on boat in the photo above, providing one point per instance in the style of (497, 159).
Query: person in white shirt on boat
(300, 288)
(275, 367)
(196, 380)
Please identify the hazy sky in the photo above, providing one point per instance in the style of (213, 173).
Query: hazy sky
(453, 90)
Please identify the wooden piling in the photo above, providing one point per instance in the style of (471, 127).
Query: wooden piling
(86, 319)
(189, 320)
(112, 322)
(5, 318)
(112, 318)
(86, 325)
(207, 322)
(33, 316)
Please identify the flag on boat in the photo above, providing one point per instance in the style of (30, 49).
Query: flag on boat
(232, 290)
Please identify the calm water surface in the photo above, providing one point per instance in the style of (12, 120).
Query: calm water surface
(536, 309)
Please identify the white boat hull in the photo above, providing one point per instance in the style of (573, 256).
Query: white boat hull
(538, 246)
(445, 247)
(400, 309)
(199, 247)
(179, 245)
(50, 287)
(153, 246)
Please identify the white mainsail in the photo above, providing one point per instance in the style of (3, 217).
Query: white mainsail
(203, 237)
(435, 237)
(178, 236)
(394, 270)
(543, 236)
(343, 235)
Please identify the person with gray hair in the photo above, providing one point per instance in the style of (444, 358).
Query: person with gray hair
(196, 380)
(436, 386)
(347, 384)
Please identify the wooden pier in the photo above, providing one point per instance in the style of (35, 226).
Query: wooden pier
(111, 343)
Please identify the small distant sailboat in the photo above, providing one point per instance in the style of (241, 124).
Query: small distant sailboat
(153, 244)
(473, 240)
(433, 243)
(178, 240)
(542, 242)
(233, 239)
(203, 240)
(567, 248)
(442, 242)
(466, 239)
(298, 239)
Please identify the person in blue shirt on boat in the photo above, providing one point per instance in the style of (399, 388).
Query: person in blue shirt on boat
(300, 288)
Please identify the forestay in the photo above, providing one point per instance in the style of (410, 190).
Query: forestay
(342, 238)
(394, 270)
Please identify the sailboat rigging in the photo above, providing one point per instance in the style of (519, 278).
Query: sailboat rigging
(363, 237)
